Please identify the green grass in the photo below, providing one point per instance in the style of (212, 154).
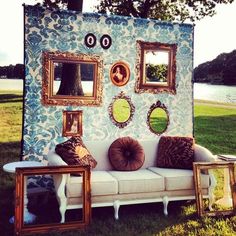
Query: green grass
(215, 128)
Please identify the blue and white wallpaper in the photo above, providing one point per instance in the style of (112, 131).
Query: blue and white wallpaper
(65, 31)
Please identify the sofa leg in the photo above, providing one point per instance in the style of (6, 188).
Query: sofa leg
(116, 209)
(62, 210)
(165, 204)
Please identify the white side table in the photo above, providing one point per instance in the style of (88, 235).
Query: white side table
(11, 168)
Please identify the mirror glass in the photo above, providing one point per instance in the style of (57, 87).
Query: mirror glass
(74, 79)
(121, 110)
(39, 209)
(71, 79)
(158, 118)
(156, 67)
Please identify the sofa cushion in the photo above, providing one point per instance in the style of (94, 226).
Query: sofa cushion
(102, 183)
(175, 152)
(74, 152)
(126, 154)
(139, 181)
(177, 179)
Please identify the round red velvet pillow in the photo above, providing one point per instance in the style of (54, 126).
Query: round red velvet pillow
(126, 154)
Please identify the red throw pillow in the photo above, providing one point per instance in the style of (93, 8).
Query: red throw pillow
(74, 152)
(175, 152)
(126, 154)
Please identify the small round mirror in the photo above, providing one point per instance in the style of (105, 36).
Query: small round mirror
(158, 118)
(121, 110)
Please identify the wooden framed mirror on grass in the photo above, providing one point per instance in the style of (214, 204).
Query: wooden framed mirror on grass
(222, 188)
(47, 214)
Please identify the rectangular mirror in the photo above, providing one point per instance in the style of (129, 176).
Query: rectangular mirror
(71, 79)
(38, 212)
(156, 67)
(224, 185)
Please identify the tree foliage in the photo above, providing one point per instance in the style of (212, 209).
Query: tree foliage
(179, 10)
(156, 73)
(221, 70)
(12, 71)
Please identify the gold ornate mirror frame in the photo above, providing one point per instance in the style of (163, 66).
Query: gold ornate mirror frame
(112, 112)
(56, 61)
(147, 53)
(154, 106)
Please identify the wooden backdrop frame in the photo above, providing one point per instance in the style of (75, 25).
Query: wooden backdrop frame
(197, 168)
(21, 173)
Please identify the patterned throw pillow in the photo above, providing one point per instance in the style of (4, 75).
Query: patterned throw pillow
(74, 152)
(126, 154)
(175, 152)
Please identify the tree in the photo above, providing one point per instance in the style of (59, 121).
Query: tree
(180, 10)
(71, 79)
(156, 73)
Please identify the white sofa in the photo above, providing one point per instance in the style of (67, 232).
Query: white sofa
(115, 188)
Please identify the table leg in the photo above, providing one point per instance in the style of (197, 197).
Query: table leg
(28, 217)
(226, 201)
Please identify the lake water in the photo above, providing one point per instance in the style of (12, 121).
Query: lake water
(218, 93)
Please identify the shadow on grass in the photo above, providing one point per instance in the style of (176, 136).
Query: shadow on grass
(6, 98)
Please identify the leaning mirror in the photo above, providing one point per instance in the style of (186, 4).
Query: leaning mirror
(71, 79)
(158, 118)
(156, 67)
(121, 110)
(41, 204)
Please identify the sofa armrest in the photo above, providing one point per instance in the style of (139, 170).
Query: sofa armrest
(54, 159)
(202, 154)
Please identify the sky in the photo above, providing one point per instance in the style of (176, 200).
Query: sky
(212, 35)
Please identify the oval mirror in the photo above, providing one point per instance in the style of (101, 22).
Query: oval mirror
(158, 118)
(121, 110)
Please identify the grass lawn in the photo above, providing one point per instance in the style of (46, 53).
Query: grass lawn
(215, 128)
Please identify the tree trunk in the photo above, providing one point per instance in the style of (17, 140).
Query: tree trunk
(71, 80)
(76, 5)
(71, 73)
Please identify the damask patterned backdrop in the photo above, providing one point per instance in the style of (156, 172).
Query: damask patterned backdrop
(47, 30)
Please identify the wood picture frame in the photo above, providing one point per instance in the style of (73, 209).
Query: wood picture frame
(209, 166)
(23, 173)
(72, 123)
(120, 73)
